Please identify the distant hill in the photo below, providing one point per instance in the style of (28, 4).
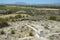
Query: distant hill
(46, 5)
(34, 5)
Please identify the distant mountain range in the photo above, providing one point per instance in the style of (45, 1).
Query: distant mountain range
(34, 5)
(21, 3)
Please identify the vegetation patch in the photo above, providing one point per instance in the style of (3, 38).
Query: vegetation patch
(18, 16)
(31, 33)
(2, 32)
(58, 19)
(3, 22)
(11, 17)
(12, 32)
(52, 17)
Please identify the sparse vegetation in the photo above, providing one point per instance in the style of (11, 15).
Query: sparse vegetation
(46, 26)
(2, 32)
(3, 22)
(58, 19)
(52, 17)
(12, 32)
(31, 33)
(11, 17)
(18, 16)
(26, 22)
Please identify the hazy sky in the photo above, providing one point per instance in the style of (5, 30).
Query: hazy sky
(30, 1)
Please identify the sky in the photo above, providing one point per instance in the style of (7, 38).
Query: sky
(30, 1)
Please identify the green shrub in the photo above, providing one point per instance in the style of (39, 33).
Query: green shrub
(58, 19)
(2, 32)
(11, 17)
(23, 16)
(46, 27)
(12, 32)
(7, 19)
(3, 22)
(31, 33)
(18, 16)
(52, 18)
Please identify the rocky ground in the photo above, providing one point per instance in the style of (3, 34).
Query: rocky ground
(20, 31)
